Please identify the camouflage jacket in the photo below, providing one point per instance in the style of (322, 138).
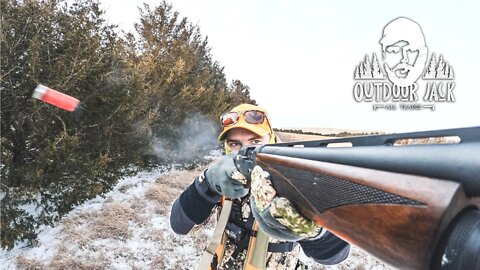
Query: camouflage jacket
(197, 204)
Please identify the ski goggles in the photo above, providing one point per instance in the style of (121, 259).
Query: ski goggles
(250, 116)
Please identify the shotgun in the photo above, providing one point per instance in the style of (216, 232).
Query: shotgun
(414, 206)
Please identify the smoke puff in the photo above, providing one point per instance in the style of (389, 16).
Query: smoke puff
(196, 136)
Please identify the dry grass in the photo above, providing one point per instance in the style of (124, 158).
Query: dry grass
(201, 237)
(168, 187)
(295, 137)
(138, 204)
(357, 260)
(161, 193)
(156, 235)
(429, 140)
(161, 196)
(78, 230)
(25, 263)
(180, 180)
(65, 259)
(113, 221)
(159, 262)
(98, 239)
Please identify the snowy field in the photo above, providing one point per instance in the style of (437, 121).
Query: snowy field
(128, 228)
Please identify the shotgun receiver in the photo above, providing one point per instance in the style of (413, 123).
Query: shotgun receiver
(413, 206)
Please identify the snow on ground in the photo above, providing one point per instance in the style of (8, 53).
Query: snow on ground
(128, 228)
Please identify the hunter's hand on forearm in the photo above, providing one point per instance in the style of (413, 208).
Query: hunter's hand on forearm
(276, 215)
(224, 178)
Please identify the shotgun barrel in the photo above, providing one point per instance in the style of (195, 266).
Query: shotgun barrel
(414, 206)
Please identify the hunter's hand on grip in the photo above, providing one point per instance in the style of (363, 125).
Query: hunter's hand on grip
(245, 161)
(224, 178)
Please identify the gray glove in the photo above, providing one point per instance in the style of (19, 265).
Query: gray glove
(224, 178)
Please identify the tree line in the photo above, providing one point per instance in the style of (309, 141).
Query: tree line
(135, 89)
(340, 134)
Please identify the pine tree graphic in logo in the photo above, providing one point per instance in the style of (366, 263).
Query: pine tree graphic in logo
(369, 70)
(438, 71)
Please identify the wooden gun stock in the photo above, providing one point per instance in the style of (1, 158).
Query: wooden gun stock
(406, 219)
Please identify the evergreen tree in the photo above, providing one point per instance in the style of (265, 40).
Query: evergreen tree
(132, 92)
(239, 93)
(52, 159)
(184, 78)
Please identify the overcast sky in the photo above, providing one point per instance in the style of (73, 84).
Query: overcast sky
(298, 57)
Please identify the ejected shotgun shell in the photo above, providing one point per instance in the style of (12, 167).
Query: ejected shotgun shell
(55, 98)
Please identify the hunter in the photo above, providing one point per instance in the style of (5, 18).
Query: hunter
(262, 231)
